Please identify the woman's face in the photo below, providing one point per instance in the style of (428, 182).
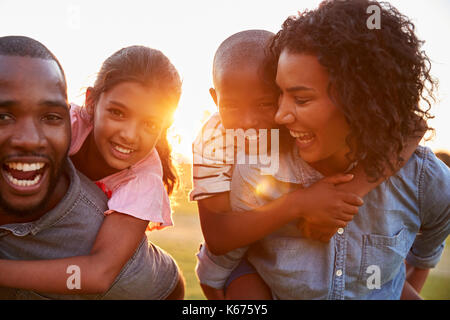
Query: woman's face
(305, 108)
(128, 120)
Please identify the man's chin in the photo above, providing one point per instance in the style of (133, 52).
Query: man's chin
(23, 209)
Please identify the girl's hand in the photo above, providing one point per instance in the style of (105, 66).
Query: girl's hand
(324, 205)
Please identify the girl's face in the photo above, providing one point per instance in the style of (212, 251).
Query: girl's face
(128, 120)
(305, 108)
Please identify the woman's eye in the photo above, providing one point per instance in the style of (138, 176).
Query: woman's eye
(300, 101)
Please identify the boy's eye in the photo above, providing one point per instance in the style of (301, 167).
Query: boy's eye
(229, 107)
(267, 105)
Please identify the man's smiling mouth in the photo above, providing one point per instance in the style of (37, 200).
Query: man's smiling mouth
(24, 174)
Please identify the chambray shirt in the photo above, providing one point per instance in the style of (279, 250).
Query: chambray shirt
(406, 217)
(69, 230)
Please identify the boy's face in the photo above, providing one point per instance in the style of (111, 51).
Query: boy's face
(244, 100)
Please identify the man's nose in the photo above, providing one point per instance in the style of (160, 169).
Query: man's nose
(29, 135)
(285, 113)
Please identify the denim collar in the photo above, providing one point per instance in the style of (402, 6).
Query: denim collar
(64, 207)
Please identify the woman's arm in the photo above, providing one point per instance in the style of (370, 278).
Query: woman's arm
(116, 242)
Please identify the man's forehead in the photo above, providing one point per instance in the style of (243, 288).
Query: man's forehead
(25, 73)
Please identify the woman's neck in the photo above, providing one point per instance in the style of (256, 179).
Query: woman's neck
(336, 163)
(90, 162)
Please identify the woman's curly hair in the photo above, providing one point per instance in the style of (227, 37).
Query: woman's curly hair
(377, 77)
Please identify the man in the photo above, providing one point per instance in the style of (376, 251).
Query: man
(47, 209)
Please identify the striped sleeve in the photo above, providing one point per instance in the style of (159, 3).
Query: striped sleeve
(212, 161)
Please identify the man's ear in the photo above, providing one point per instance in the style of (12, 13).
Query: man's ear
(213, 94)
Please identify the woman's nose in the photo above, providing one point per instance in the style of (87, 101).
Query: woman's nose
(285, 113)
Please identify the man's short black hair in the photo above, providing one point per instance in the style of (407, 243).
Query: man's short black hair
(244, 47)
(22, 46)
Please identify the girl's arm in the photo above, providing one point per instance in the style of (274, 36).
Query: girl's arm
(116, 242)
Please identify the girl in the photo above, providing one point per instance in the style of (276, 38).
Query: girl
(119, 141)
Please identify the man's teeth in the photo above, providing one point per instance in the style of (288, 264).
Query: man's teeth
(305, 137)
(123, 150)
(21, 166)
(23, 183)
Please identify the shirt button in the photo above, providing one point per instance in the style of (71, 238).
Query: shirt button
(340, 230)
(339, 273)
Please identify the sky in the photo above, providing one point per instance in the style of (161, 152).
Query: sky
(83, 33)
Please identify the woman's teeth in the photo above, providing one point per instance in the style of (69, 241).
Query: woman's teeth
(302, 136)
(23, 183)
(123, 150)
(20, 166)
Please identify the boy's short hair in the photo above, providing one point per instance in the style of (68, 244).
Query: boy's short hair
(247, 47)
(21, 46)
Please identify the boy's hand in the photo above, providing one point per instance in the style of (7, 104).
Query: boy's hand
(324, 205)
(316, 232)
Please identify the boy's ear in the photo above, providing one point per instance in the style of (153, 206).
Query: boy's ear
(213, 94)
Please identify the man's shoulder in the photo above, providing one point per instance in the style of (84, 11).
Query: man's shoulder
(91, 194)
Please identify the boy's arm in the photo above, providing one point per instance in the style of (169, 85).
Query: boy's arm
(361, 186)
(98, 270)
(225, 230)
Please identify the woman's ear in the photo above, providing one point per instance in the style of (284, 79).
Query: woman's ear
(213, 94)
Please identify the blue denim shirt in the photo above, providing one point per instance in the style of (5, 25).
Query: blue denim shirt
(69, 230)
(406, 217)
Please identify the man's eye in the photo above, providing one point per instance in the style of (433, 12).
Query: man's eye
(5, 117)
(52, 117)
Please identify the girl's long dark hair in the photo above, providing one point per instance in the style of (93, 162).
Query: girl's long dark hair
(150, 68)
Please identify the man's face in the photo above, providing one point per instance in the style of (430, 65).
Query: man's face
(34, 133)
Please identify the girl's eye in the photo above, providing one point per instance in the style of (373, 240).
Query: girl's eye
(152, 126)
(116, 113)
